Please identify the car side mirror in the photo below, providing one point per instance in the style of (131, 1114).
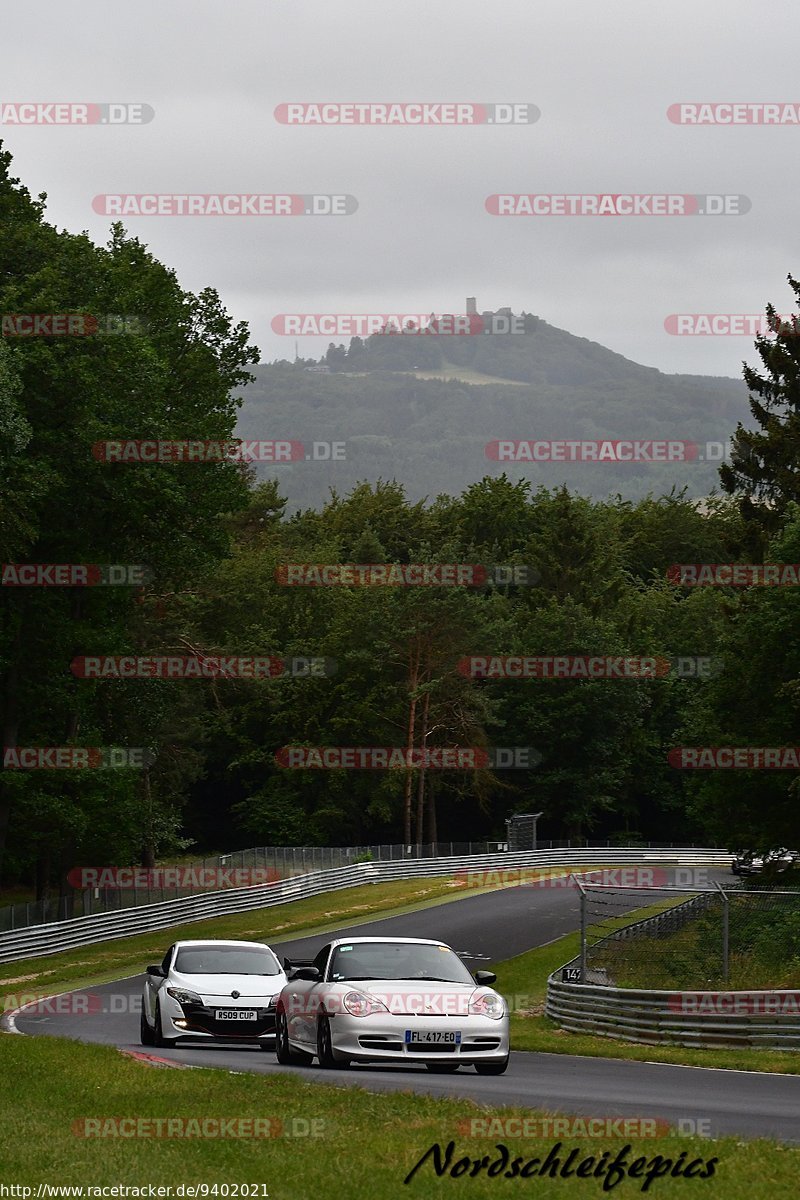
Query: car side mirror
(485, 977)
(158, 972)
(310, 973)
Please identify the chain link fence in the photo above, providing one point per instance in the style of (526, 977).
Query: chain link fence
(705, 937)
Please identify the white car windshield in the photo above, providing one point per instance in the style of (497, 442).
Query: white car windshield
(397, 960)
(227, 960)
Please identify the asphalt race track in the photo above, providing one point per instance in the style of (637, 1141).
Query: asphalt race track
(485, 928)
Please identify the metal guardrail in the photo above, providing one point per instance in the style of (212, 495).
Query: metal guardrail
(765, 1019)
(188, 878)
(40, 940)
(725, 1019)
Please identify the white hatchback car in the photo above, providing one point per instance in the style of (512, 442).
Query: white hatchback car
(212, 991)
(401, 1000)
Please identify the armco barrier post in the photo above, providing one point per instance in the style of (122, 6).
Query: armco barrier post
(582, 891)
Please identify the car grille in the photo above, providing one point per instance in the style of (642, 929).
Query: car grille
(479, 1044)
(202, 1020)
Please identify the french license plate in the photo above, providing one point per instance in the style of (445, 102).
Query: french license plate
(432, 1035)
(236, 1014)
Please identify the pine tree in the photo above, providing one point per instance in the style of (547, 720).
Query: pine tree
(764, 469)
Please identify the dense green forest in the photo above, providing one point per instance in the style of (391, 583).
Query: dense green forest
(217, 542)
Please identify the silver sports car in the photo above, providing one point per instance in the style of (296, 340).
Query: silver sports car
(400, 1000)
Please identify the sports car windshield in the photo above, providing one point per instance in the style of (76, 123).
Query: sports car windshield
(227, 960)
(397, 960)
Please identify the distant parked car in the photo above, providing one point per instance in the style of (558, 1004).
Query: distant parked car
(751, 863)
(391, 1000)
(216, 991)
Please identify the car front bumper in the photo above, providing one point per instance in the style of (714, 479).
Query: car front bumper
(199, 1023)
(383, 1036)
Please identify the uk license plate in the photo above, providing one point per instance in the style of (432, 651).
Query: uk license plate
(433, 1035)
(236, 1014)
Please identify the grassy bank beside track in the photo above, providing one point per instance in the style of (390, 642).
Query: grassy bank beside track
(365, 1144)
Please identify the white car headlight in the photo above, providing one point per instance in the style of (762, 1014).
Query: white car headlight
(183, 996)
(359, 1005)
(489, 1004)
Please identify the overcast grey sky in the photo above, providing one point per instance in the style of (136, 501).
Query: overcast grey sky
(603, 76)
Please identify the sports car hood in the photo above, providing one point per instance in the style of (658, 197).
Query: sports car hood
(420, 997)
(220, 987)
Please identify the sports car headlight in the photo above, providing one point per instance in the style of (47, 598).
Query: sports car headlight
(359, 1005)
(184, 997)
(488, 1005)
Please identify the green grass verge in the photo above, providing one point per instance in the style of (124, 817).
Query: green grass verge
(365, 1145)
(764, 951)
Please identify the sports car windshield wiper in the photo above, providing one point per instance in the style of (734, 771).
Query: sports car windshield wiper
(398, 979)
(438, 979)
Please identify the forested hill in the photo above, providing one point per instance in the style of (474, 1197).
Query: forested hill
(422, 409)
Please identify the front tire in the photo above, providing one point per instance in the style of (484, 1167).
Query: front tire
(146, 1034)
(492, 1068)
(284, 1053)
(325, 1052)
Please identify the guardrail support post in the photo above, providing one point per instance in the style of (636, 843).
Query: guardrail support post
(725, 931)
(582, 891)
